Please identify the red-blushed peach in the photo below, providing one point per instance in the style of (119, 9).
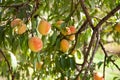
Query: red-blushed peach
(64, 45)
(16, 22)
(44, 27)
(72, 29)
(35, 44)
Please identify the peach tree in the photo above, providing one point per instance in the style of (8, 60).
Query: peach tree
(58, 39)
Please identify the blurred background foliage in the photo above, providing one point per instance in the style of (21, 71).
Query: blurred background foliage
(56, 64)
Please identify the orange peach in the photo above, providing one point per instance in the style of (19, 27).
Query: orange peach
(35, 44)
(98, 76)
(64, 45)
(16, 22)
(72, 29)
(39, 65)
(44, 27)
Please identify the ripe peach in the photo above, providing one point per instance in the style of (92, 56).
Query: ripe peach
(35, 44)
(44, 27)
(21, 29)
(16, 22)
(64, 45)
(72, 29)
(72, 37)
(117, 27)
(39, 65)
(98, 76)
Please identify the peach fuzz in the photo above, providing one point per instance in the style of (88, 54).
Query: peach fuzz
(35, 44)
(44, 27)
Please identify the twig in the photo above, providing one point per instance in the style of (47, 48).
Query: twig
(10, 69)
(86, 13)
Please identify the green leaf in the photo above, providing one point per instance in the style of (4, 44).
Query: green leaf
(13, 60)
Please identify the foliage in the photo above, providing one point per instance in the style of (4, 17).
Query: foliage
(94, 21)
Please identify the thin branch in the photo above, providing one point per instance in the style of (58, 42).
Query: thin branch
(86, 13)
(87, 53)
(93, 53)
(107, 16)
(107, 56)
(10, 69)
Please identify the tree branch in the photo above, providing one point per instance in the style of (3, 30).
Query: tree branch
(86, 13)
(93, 53)
(107, 16)
(10, 69)
(107, 56)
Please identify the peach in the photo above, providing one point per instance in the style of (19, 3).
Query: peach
(72, 37)
(64, 45)
(98, 76)
(66, 31)
(44, 27)
(117, 27)
(16, 22)
(21, 29)
(39, 65)
(72, 29)
(35, 44)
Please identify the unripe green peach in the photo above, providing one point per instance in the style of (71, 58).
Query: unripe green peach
(35, 44)
(64, 45)
(44, 27)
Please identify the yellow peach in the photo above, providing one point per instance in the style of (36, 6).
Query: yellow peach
(35, 44)
(72, 37)
(21, 29)
(64, 45)
(44, 27)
